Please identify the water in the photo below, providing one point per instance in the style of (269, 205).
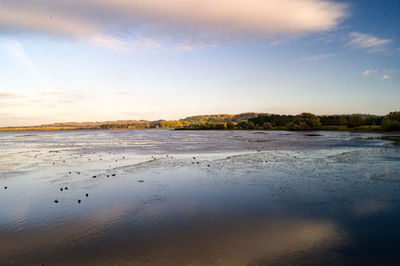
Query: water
(248, 198)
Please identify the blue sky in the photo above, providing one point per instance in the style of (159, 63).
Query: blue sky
(97, 60)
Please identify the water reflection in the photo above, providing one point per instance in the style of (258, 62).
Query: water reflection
(181, 235)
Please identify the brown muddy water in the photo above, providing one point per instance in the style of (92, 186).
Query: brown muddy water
(161, 197)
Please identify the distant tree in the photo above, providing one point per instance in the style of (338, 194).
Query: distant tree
(355, 121)
(220, 126)
(391, 122)
(312, 121)
(242, 125)
(378, 120)
(305, 121)
(230, 125)
(267, 126)
(393, 116)
(342, 120)
(329, 120)
(171, 124)
(369, 121)
(251, 125)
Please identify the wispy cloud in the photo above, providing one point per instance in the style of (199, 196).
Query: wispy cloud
(51, 93)
(10, 95)
(119, 24)
(122, 93)
(368, 72)
(317, 57)
(72, 98)
(107, 41)
(368, 42)
(36, 101)
(147, 42)
(15, 50)
(379, 74)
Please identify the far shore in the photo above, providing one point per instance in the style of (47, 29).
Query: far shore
(326, 129)
(361, 123)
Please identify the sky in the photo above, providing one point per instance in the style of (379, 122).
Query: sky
(99, 60)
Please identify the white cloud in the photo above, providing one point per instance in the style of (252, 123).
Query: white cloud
(369, 72)
(368, 42)
(101, 21)
(377, 74)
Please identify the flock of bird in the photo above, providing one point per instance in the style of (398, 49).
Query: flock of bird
(56, 201)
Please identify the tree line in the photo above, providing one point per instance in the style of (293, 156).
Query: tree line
(261, 121)
(305, 121)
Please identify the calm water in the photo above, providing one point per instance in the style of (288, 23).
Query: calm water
(246, 198)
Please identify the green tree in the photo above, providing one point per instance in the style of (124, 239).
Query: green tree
(230, 125)
(305, 121)
(171, 124)
(342, 120)
(267, 126)
(355, 121)
(369, 121)
(251, 125)
(391, 122)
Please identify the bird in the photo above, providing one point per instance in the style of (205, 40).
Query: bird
(113, 174)
(79, 201)
(66, 188)
(5, 187)
(61, 189)
(87, 195)
(94, 176)
(55, 201)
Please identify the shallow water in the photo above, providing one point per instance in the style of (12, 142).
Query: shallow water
(246, 198)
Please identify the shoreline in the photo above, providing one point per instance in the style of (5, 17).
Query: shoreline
(200, 129)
